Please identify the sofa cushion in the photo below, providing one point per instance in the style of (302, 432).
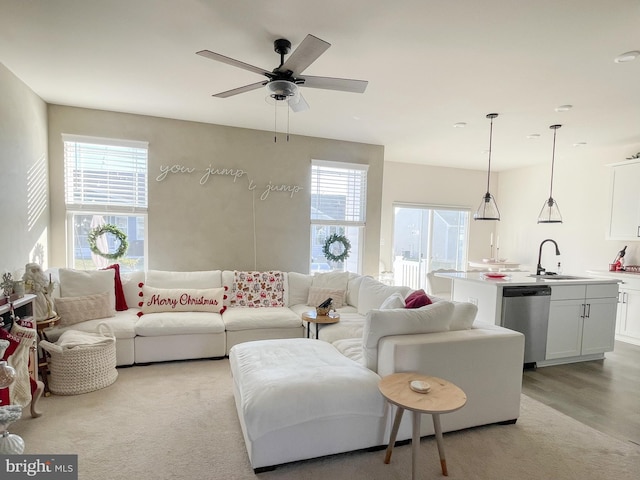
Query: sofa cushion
(373, 293)
(333, 280)
(122, 324)
(238, 318)
(318, 295)
(463, 316)
(351, 348)
(178, 323)
(257, 289)
(72, 310)
(349, 326)
(383, 323)
(272, 376)
(299, 284)
(181, 299)
(353, 288)
(195, 279)
(78, 283)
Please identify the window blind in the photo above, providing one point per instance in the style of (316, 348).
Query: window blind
(338, 193)
(104, 174)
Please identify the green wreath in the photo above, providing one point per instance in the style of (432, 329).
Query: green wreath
(346, 248)
(112, 229)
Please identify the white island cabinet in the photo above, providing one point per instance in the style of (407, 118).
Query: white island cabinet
(582, 312)
(628, 318)
(582, 321)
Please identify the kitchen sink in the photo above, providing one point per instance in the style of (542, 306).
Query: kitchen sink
(559, 277)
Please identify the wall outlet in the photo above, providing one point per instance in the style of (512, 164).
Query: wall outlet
(473, 300)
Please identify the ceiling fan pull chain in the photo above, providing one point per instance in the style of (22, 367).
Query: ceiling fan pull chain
(275, 122)
(288, 114)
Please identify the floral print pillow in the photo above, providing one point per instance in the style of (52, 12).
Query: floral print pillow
(258, 289)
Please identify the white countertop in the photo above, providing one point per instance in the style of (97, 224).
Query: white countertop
(524, 278)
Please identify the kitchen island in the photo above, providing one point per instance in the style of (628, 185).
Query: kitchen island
(582, 313)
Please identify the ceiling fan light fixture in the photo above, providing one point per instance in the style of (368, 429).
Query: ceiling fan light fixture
(550, 212)
(281, 90)
(488, 209)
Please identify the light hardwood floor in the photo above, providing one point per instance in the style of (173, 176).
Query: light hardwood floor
(604, 394)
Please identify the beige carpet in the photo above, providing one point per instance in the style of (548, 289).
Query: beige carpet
(178, 421)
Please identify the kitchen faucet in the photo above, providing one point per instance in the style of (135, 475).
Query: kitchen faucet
(539, 269)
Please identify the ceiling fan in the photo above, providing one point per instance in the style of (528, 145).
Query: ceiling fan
(283, 81)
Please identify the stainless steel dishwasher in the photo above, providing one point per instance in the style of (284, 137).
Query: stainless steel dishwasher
(526, 309)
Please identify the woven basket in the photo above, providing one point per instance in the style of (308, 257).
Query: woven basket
(84, 368)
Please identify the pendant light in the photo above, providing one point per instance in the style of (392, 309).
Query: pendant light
(550, 212)
(488, 210)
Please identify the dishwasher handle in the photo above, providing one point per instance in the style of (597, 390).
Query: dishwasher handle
(526, 291)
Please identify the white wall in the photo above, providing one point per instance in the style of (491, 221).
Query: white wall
(24, 202)
(427, 185)
(582, 189)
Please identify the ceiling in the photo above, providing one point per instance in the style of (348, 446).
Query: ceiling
(430, 64)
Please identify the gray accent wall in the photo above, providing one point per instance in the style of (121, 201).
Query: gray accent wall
(227, 222)
(24, 194)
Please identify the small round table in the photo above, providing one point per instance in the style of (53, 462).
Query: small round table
(312, 317)
(443, 397)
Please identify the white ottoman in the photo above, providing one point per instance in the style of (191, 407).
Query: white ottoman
(300, 398)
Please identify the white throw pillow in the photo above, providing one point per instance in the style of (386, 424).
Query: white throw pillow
(78, 283)
(72, 310)
(394, 301)
(319, 295)
(384, 323)
(181, 300)
(373, 293)
(464, 313)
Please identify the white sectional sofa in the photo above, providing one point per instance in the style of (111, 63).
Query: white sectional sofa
(178, 335)
(332, 405)
(325, 389)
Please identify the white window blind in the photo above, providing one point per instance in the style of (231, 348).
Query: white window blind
(338, 193)
(104, 174)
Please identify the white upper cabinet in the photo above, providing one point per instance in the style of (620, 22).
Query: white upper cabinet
(624, 220)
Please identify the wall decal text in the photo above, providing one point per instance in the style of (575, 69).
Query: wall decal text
(235, 173)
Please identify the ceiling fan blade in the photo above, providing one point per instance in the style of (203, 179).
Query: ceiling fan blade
(303, 56)
(236, 91)
(298, 103)
(340, 84)
(236, 63)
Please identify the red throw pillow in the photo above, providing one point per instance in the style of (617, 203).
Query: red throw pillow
(121, 301)
(417, 299)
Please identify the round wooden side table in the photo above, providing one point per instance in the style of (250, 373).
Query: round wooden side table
(312, 317)
(443, 397)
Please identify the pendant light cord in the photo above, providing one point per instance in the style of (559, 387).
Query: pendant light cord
(553, 158)
(491, 116)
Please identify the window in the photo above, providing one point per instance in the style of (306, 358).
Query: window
(105, 182)
(428, 238)
(338, 206)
